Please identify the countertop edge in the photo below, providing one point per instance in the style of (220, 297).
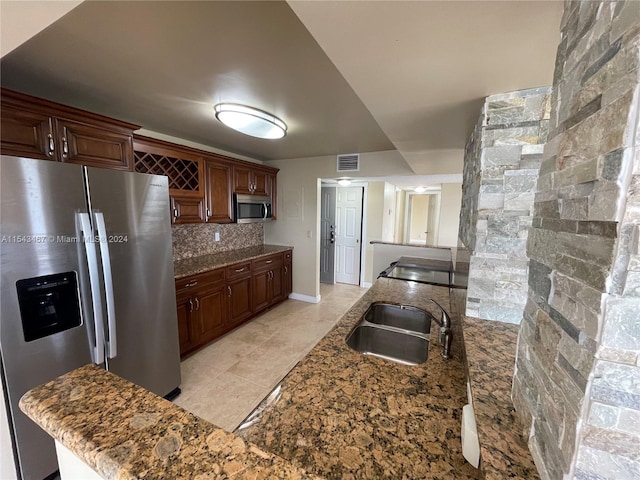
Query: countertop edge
(205, 263)
(118, 447)
(490, 350)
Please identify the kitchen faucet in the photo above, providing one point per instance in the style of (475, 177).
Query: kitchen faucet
(446, 334)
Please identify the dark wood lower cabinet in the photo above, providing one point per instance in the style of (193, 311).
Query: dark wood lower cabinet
(268, 281)
(288, 274)
(202, 316)
(239, 298)
(212, 314)
(213, 303)
(184, 323)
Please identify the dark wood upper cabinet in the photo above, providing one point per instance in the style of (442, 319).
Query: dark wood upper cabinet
(218, 193)
(186, 209)
(183, 166)
(185, 171)
(201, 184)
(26, 134)
(37, 128)
(251, 180)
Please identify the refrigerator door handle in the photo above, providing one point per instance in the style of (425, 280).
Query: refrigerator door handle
(96, 299)
(111, 341)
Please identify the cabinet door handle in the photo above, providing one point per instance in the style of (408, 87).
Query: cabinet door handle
(238, 270)
(192, 284)
(197, 303)
(208, 215)
(269, 261)
(285, 269)
(175, 214)
(52, 145)
(190, 305)
(229, 290)
(65, 146)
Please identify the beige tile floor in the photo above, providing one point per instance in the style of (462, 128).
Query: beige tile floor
(225, 381)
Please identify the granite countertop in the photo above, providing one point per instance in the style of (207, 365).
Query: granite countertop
(123, 431)
(491, 349)
(344, 415)
(204, 263)
(338, 414)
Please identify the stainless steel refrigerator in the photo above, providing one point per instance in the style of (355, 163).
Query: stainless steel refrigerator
(87, 276)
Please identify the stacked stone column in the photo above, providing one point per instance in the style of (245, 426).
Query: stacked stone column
(502, 160)
(577, 379)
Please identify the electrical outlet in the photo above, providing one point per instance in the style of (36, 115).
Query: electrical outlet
(216, 236)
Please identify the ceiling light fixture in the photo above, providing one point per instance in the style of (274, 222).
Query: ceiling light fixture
(250, 121)
(345, 182)
(419, 189)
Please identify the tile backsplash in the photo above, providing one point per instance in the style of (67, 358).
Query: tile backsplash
(199, 239)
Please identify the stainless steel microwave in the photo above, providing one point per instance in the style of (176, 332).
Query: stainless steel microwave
(251, 208)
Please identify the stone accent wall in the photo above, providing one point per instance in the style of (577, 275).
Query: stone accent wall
(577, 380)
(502, 159)
(198, 239)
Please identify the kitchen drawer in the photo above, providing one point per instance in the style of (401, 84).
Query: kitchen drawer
(238, 270)
(193, 282)
(267, 263)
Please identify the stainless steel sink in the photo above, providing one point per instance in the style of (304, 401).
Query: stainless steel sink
(388, 344)
(399, 333)
(399, 316)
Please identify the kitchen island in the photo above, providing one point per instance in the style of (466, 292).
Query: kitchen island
(345, 415)
(337, 414)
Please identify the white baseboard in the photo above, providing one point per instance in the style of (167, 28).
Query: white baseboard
(366, 285)
(305, 298)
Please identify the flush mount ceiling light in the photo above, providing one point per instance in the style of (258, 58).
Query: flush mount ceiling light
(250, 121)
(419, 189)
(345, 182)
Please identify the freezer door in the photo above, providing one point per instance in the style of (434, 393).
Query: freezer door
(40, 200)
(139, 258)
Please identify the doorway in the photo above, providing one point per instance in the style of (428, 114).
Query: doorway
(341, 234)
(327, 234)
(422, 218)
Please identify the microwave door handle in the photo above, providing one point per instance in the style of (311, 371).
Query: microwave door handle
(112, 346)
(96, 299)
(264, 205)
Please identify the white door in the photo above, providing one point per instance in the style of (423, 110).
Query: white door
(348, 234)
(418, 216)
(433, 219)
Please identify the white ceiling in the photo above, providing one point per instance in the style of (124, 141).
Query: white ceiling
(351, 76)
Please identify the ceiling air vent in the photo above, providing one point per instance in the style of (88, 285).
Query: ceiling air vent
(349, 163)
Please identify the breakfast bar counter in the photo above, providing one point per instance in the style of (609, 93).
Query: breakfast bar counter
(338, 414)
(344, 415)
(125, 432)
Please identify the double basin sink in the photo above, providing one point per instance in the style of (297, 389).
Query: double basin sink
(399, 333)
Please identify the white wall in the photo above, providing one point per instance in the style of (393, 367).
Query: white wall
(450, 201)
(388, 213)
(21, 20)
(374, 219)
(298, 222)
